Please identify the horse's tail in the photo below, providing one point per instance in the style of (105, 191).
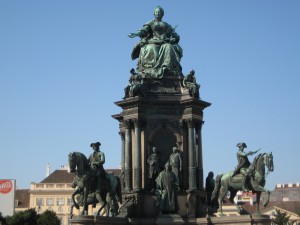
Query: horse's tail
(119, 189)
(216, 191)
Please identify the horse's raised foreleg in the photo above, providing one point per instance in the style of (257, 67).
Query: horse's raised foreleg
(71, 211)
(259, 188)
(268, 198)
(77, 191)
(85, 204)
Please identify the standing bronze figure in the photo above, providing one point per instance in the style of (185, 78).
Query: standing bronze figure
(166, 191)
(153, 171)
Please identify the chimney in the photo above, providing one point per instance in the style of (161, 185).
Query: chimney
(48, 170)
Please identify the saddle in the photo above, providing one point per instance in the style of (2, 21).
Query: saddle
(237, 178)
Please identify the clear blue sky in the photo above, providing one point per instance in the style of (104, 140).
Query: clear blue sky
(63, 64)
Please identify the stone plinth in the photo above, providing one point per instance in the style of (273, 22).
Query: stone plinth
(97, 220)
(169, 219)
(191, 205)
(235, 220)
(260, 219)
(175, 219)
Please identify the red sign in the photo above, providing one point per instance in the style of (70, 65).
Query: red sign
(5, 186)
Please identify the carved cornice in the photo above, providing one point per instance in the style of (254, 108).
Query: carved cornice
(131, 102)
(192, 102)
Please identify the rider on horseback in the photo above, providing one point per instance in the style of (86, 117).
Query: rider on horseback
(96, 161)
(243, 164)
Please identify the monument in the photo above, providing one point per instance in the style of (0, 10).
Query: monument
(161, 108)
(160, 127)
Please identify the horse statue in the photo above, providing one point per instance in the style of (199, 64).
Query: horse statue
(226, 182)
(91, 190)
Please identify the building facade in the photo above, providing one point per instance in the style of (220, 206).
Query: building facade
(53, 193)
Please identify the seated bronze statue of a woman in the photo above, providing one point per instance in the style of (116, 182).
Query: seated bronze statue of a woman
(158, 49)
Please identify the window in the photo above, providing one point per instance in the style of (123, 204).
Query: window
(60, 201)
(39, 201)
(60, 185)
(69, 201)
(49, 201)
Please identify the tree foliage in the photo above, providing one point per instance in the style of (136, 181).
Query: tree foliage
(281, 218)
(48, 218)
(27, 217)
(30, 217)
(2, 219)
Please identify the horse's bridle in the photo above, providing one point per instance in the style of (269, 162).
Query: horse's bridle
(268, 164)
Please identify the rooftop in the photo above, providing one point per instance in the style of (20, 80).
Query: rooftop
(22, 198)
(63, 176)
(59, 176)
(291, 206)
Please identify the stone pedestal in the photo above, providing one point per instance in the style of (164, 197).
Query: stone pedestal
(175, 219)
(165, 116)
(169, 219)
(235, 220)
(98, 220)
(260, 219)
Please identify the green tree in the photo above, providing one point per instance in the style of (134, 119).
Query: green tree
(27, 217)
(281, 218)
(2, 219)
(48, 218)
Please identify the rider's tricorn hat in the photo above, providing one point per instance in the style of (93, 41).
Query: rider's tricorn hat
(241, 144)
(96, 144)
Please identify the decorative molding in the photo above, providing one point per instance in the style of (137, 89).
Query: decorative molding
(128, 179)
(137, 179)
(190, 123)
(122, 135)
(128, 124)
(192, 178)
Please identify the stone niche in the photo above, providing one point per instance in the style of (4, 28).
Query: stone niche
(163, 115)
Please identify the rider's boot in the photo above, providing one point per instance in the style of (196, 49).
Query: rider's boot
(244, 184)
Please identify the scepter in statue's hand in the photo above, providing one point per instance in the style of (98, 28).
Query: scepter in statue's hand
(256, 151)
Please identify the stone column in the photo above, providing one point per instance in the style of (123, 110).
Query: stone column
(122, 150)
(128, 156)
(137, 157)
(192, 155)
(200, 159)
(122, 160)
